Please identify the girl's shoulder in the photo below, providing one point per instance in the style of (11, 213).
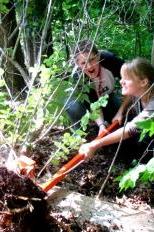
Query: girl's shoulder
(151, 103)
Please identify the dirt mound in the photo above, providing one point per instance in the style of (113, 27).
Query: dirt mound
(23, 208)
(22, 204)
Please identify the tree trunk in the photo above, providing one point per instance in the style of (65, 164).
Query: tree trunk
(13, 77)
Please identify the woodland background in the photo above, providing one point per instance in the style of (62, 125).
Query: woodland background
(36, 58)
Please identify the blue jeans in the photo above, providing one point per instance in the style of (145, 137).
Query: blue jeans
(76, 109)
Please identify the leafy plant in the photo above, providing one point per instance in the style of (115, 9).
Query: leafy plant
(95, 111)
(3, 6)
(68, 144)
(72, 142)
(21, 119)
(142, 172)
(147, 127)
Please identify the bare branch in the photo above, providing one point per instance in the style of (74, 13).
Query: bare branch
(14, 32)
(44, 32)
(17, 66)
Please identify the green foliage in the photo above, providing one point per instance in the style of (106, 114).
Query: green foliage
(95, 111)
(130, 177)
(148, 174)
(35, 15)
(68, 144)
(126, 27)
(20, 120)
(82, 91)
(70, 8)
(142, 172)
(16, 118)
(1, 72)
(129, 22)
(57, 60)
(147, 127)
(5, 112)
(3, 6)
(102, 102)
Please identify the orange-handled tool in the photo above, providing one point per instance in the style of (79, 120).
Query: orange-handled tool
(73, 163)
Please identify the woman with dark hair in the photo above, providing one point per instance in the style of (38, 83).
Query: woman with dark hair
(101, 68)
(137, 82)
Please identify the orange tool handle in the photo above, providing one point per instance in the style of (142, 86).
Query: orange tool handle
(58, 176)
(73, 162)
(110, 128)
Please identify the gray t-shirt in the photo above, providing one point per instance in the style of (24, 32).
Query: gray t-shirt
(104, 84)
(141, 114)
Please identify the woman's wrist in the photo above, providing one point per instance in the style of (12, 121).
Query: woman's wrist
(100, 124)
(105, 124)
(95, 145)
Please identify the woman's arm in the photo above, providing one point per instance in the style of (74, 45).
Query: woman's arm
(122, 110)
(90, 148)
(100, 122)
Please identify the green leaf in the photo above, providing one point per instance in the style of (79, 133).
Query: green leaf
(126, 183)
(95, 114)
(103, 100)
(1, 72)
(144, 177)
(130, 178)
(85, 120)
(150, 165)
(3, 6)
(147, 127)
(146, 124)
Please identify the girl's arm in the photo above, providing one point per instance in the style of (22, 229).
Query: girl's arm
(89, 148)
(100, 122)
(122, 110)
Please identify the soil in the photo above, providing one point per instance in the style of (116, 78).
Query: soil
(89, 176)
(23, 206)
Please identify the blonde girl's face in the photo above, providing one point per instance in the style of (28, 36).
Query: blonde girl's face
(89, 64)
(132, 85)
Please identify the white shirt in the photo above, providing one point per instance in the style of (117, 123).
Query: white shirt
(104, 83)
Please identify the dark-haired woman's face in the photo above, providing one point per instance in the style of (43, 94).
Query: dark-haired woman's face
(89, 64)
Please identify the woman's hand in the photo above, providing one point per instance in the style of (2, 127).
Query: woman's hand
(101, 129)
(118, 117)
(88, 149)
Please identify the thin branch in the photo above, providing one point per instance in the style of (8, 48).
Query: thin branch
(14, 32)
(57, 117)
(4, 33)
(44, 32)
(17, 66)
(16, 45)
(146, 150)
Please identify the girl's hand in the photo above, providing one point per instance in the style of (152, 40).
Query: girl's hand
(88, 149)
(118, 117)
(101, 129)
